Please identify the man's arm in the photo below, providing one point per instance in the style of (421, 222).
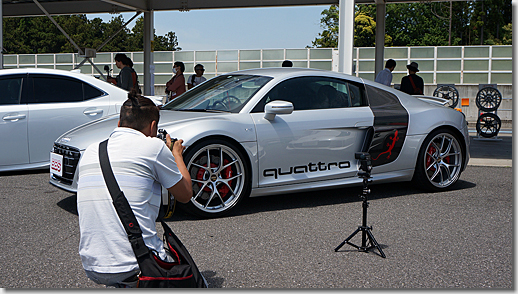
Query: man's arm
(182, 191)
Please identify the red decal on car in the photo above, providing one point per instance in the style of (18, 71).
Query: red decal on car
(390, 146)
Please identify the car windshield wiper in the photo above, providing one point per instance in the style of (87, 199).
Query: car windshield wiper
(200, 110)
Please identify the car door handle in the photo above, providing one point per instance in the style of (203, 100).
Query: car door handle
(93, 112)
(14, 116)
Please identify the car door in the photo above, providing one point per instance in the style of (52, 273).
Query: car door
(317, 141)
(56, 105)
(13, 123)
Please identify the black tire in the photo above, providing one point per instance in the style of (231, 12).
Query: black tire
(219, 189)
(488, 99)
(447, 92)
(440, 161)
(488, 125)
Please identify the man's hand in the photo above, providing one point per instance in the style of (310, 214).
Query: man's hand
(175, 146)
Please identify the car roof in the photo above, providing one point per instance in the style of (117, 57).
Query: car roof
(42, 70)
(285, 72)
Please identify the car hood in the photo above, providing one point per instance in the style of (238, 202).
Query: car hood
(99, 130)
(158, 100)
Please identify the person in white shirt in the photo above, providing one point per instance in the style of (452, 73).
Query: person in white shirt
(197, 78)
(385, 76)
(142, 164)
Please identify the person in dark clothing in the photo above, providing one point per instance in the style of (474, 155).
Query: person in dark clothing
(412, 84)
(127, 78)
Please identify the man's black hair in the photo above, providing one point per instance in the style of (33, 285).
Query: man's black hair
(390, 63)
(138, 112)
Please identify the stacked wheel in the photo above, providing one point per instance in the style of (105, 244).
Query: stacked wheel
(488, 123)
(488, 99)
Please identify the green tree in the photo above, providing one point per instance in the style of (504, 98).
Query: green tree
(508, 34)
(26, 35)
(169, 42)
(364, 29)
(486, 22)
(329, 22)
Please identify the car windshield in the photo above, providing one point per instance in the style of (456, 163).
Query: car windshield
(225, 93)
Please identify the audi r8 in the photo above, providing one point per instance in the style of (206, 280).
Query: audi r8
(273, 131)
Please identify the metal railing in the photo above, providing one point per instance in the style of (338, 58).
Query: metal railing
(460, 65)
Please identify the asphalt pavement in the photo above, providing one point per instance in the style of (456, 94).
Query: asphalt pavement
(457, 239)
(496, 151)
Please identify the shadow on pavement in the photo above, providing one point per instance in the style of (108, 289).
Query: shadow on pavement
(321, 198)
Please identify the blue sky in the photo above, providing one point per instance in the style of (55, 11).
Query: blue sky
(249, 28)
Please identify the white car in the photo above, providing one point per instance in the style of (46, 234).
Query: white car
(38, 105)
(282, 130)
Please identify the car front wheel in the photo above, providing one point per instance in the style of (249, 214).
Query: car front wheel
(220, 177)
(439, 163)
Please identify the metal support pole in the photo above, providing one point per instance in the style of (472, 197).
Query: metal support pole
(118, 31)
(346, 36)
(380, 35)
(1, 36)
(149, 68)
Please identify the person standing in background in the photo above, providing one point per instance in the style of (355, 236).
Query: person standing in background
(196, 78)
(412, 84)
(176, 86)
(127, 78)
(385, 76)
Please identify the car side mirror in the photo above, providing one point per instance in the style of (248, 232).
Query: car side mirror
(277, 107)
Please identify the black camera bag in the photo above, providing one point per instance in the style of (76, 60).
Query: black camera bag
(154, 273)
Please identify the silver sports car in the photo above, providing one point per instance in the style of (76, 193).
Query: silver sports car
(282, 130)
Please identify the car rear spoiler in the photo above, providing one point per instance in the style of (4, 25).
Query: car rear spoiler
(432, 99)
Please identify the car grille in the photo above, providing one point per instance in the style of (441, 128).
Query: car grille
(70, 160)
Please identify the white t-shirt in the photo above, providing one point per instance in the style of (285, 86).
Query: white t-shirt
(141, 166)
(195, 80)
(384, 77)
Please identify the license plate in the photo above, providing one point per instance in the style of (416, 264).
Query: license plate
(56, 164)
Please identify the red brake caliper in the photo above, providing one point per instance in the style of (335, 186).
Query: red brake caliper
(227, 173)
(429, 159)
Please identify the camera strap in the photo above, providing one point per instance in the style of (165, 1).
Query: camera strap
(126, 215)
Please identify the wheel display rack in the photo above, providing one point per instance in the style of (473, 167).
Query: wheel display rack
(488, 100)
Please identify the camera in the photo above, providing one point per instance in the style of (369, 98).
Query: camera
(365, 161)
(162, 136)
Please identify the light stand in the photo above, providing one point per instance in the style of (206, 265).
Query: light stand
(365, 174)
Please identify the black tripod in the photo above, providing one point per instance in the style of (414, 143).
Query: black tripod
(366, 231)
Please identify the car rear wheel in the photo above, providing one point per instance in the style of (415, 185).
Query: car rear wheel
(439, 163)
(220, 177)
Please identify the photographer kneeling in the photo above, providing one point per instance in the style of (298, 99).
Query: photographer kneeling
(142, 164)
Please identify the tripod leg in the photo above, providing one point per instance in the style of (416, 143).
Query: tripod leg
(373, 241)
(348, 238)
